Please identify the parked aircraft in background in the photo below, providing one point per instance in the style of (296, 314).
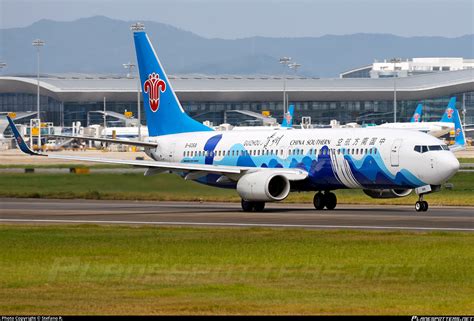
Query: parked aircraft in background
(266, 165)
(416, 118)
(437, 129)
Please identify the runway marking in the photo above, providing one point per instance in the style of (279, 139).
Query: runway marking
(245, 224)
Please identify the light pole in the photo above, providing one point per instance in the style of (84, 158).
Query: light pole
(394, 61)
(284, 61)
(130, 67)
(138, 27)
(38, 43)
(295, 67)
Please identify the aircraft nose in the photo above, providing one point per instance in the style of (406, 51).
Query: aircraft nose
(448, 165)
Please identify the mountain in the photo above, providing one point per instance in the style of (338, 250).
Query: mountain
(101, 45)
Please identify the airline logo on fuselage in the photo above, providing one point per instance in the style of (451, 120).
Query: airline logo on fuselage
(153, 86)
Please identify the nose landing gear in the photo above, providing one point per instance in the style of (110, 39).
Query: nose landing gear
(327, 200)
(421, 205)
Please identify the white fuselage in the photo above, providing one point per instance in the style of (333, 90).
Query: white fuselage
(357, 158)
(436, 129)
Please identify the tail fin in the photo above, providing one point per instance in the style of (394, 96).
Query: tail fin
(449, 112)
(164, 113)
(460, 138)
(288, 119)
(416, 118)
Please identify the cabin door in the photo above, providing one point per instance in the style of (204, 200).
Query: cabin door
(395, 152)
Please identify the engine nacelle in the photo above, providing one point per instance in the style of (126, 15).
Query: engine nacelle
(387, 193)
(263, 186)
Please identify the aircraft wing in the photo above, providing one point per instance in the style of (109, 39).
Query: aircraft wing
(233, 172)
(109, 140)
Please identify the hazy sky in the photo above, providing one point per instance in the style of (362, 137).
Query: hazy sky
(277, 18)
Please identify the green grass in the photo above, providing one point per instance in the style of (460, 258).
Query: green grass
(171, 187)
(466, 160)
(130, 270)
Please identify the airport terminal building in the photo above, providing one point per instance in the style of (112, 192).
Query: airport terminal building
(75, 97)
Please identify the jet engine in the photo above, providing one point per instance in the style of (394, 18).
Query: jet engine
(387, 193)
(263, 186)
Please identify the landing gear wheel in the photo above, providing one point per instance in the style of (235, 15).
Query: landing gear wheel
(419, 206)
(424, 206)
(319, 201)
(247, 206)
(330, 200)
(259, 206)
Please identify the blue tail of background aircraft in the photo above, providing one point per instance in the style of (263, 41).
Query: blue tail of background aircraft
(164, 113)
(459, 138)
(450, 111)
(416, 118)
(288, 118)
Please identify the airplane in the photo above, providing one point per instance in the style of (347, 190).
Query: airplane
(288, 118)
(265, 166)
(127, 133)
(287, 122)
(437, 129)
(416, 118)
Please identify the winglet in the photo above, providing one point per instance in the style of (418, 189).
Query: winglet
(288, 119)
(19, 139)
(459, 137)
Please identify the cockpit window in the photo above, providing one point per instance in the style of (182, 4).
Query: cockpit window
(431, 148)
(434, 147)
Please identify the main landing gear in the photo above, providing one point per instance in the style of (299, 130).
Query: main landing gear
(327, 200)
(248, 206)
(421, 205)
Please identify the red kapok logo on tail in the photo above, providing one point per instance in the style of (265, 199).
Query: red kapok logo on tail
(450, 112)
(416, 117)
(152, 86)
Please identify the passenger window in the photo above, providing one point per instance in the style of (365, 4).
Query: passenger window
(375, 150)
